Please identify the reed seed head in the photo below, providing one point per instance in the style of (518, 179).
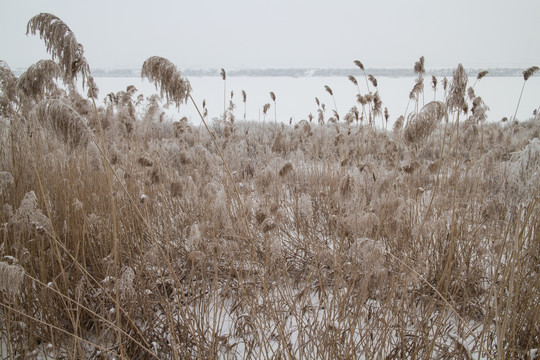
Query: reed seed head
(273, 96)
(373, 80)
(433, 82)
(167, 78)
(359, 64)
(38, 79)
(64, 121)
(327, 88)
(419, 67)
(456, 98)
(62, 44)
(481, 74)
(223, 74)
(530, 72)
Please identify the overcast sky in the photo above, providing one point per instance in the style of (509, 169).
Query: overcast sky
(284, 33)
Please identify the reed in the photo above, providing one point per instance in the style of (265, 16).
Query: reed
(273, 97)
(526, 75)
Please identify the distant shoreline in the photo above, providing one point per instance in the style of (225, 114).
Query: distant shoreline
(307, 72)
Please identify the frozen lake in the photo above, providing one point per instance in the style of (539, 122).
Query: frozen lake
(295, 97)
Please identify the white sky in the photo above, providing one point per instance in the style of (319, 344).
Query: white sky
(284, 33)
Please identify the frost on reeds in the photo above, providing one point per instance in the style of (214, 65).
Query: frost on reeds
(28, 218)
(167, 78)
(422, 124)
(8, 89)
(5, 179)
(38, 79)
(11, 278)
(524, 170)
(458, 89)
(65, 122)
(62, 44)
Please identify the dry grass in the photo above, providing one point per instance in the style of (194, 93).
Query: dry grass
(266, 241)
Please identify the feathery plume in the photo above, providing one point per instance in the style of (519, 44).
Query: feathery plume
(456, 98)
(62, 44)
(166, 76)
(373, 80)
(64, 121)
(223, 74)
(422, 124)
(353, 80)
(419, 67)
(530, 72)
(416, 90)
(244, 96)
(359, 64)
(481, 74)
(11, 278)
(272, 96)
(38, 79)
(433, 82)
(327, 88)
(8, 88)
(526, 75)
(445, 83)
(93, 90)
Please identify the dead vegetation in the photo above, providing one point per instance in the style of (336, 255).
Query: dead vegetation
(241, 240)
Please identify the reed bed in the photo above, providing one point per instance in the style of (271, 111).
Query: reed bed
(126, 236)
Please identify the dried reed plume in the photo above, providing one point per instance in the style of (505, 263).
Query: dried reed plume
(61, 44)
(530, 72)
(327, 88)
(224, 78)
(167, 78)
(273, 97)
(64, 121)
(422, 124)
(458, 87)
(481, 74)
(373, 80)
(479, 77)
(359, 64)
(526, 75)
(8, 89)
(265, 110)
(11, 278)
(419, 67)
(244, 99)
(93, 90)
(434, 86)
(38, 79)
